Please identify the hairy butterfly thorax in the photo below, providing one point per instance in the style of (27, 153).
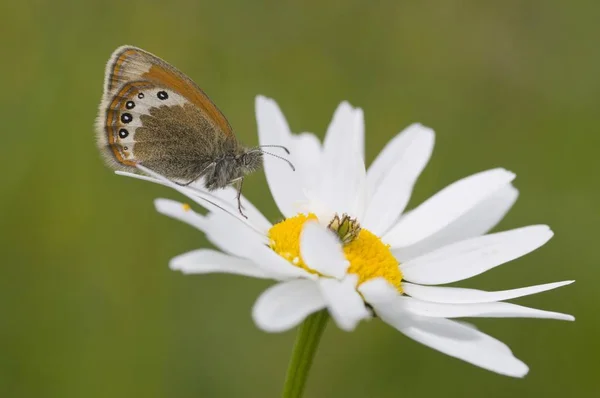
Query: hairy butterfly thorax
(153, 115)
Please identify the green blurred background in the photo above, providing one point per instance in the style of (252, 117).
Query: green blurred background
(88, 305)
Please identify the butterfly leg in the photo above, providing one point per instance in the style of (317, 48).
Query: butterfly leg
(198, 176)
(187, 183)
(239, 197)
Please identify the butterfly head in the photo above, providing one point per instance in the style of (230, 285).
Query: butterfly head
(249, 161)
(236, 166)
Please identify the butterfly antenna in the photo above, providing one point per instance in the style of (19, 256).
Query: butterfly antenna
(276, 156)
(274, 146)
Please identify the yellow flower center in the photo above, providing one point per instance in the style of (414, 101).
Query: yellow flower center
(369, 257)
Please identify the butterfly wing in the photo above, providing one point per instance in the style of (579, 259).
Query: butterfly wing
(161, 129)
(130, 63)
(154, 114)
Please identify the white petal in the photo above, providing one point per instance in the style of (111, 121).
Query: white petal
(391, 177)
(479, 310)
(284, 183)
(181, 212)
(450, 337)
(477, 221)
(230, 236)
(393, 150)
(229, 194)
(345, 304)
(286, 304)
(270, 261)
(456, 295)
(347, 125)
(446, 206)
(203, 198)
(206, 261)
(315, 205)
(219, 200)
(307, 151)
(474, 256)
(322, 251)
(457, 340)
(234, 238)
(343, 176)
(223, 231)
(378, 291)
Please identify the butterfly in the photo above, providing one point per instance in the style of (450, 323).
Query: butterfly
(153, 115)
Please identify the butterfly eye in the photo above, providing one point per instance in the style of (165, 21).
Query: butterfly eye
(130, 105)
(123, 133)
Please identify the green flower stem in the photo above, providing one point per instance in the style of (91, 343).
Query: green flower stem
(307, 341)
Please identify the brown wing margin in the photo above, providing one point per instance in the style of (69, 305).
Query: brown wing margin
(114, 69)
(130, 63)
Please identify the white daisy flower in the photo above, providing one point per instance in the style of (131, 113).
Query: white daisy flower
(347, 245)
